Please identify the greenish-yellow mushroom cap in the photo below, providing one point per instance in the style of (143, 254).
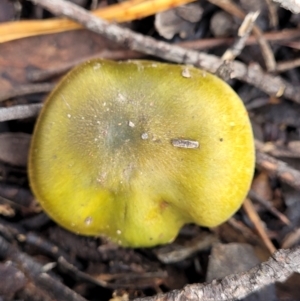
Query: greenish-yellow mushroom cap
(134, 150)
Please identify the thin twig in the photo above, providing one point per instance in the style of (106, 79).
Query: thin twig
(291, 150)
(275, 36)
(272, 13)
(243, 34)
(278, 268)
(287, 65)
(267, 52)
(278, 168)
(67, 267)
(253, 74)
(19, 112)
(255, 219)
(245, 231)
(74, 272)
(255, 197)
(291, 239)
(26, 90)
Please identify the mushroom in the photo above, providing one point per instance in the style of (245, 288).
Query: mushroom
(134, 150)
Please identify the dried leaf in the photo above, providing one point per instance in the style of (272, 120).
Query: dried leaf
(181, 20)
(292, 5)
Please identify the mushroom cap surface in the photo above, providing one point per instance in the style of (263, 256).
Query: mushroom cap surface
(134, 150)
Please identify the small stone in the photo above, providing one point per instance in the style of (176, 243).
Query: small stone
(131, 124)
(144, 136)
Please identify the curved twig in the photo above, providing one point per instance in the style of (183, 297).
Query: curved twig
(253, 74)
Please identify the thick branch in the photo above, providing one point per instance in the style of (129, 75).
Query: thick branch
(233, 287)
(252, 75)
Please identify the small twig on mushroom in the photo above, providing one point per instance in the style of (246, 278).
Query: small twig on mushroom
(252, 74)
(19, 112)
(243, 34)
(26, 90)
(279, 267)
(255, 219)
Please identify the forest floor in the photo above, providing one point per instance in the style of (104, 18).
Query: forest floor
(260, 60)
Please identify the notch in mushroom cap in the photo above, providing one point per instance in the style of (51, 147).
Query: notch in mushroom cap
(134, 150)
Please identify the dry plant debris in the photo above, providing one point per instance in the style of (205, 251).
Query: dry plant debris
(121, 12)
(49, 263)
